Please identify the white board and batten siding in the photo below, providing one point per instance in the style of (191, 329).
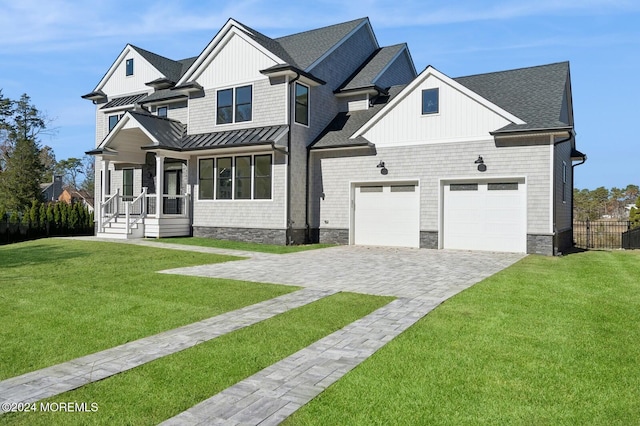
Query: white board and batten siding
(120, 84)
(485, 215)
(460, 118)
(386, 214)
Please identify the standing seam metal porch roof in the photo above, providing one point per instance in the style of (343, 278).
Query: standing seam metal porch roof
(172, 135)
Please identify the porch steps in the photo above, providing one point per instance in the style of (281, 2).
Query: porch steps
(118, 229)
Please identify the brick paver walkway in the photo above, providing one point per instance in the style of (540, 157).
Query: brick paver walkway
(421, 279)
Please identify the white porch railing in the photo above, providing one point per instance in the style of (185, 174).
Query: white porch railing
(134, 210)
(109, 210)
(172, 205)
(138, 206)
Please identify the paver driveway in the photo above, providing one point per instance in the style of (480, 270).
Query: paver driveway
(386, 271)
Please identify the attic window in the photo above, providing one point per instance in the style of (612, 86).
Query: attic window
(129, 67)
(162, 111)
(430, 101)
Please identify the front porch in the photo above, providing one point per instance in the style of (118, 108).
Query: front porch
(121, 217)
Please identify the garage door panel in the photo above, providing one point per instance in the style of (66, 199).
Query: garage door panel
(387, 216)
(478, 218)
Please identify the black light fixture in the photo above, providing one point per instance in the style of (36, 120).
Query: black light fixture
(383, 169)
(480, 162)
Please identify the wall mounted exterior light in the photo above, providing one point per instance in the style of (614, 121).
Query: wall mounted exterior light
(480, 162)
(383, 169)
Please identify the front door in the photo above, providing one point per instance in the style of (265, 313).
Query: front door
(171, 203)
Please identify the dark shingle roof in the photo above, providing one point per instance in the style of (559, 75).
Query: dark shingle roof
(125, 100)
(168, 67)
(306, 47)
(345, 124)
(535, 95)
(163, 95)
(365, 75)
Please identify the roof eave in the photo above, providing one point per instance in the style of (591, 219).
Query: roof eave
(368, 90)
(189, 87)
(161, 83)
(284, 70)
(360, 144)
(97, 96)
(524, 132)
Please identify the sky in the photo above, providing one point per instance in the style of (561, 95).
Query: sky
(58, 50)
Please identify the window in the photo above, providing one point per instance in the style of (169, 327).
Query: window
(262, 177)
(129, 67)
(430, 101)
(228, 111)
(225, 107)
(403, 188)
(250, 178)
(223, 190)
(243, 178)
(205, 179)
(302, 104)
(463, 187)
(113, 120)
(127, 184)
(370, 189)
(243, 104)
(162, 111)
(504, 186)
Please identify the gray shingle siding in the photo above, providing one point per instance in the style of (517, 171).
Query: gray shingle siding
(401, 71)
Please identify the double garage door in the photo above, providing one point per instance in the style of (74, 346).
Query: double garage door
(475, 215)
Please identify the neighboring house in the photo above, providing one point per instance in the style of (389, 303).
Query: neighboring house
(70, 195)
(326, 136)
(52, 190)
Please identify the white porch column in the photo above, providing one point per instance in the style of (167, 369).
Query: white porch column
(159, 183)
(103, 192)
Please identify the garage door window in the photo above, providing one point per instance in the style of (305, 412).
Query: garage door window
(370, 189)
(403, 188)
(463, 187)
(508, 186)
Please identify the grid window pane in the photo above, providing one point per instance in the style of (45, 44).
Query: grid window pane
(262, 177)
(430, 101)
(243, 103)
(302, 104)
(243, 178)
(205, 179)
(129, 67)
(224, 106)
(162, 112)
(223, 189)
(127, 183)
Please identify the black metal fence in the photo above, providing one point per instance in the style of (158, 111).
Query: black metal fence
(631, 239)
(600, 234)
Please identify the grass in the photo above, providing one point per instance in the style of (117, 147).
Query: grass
(547, 341)
(161, 389)
(238, 245)
(61, 299)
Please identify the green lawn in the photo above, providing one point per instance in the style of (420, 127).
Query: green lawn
(162, 389)
(61, 299)
(238, 245)
(547, 341)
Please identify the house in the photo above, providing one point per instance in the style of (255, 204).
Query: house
(51, 191)
(71, 195)
(326, 136)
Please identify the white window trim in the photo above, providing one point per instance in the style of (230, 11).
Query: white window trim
(233, 105)
(233, 179)
(308, 104)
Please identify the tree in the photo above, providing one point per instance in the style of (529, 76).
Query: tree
(634, 215)
(48, 160)
(70, 169)
(22, 169)
(89, 171)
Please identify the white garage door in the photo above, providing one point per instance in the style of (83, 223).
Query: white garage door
(485, 216)
(387, 215)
